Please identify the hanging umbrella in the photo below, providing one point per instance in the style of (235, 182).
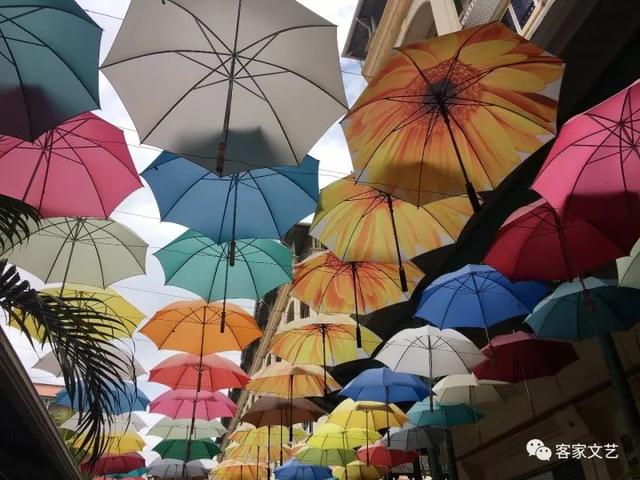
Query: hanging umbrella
(294, 470)
(255, 453)
(50, 65)
(161, 468)
(81, 168)
(437, 415)
(198, 264)
(466, 388)
(570, 248)
(186, 370)
(125, 422)
(287, 381)
(591, 173)
(202, 116)
(382, 456)
(131, 399)
(330, 436)
(83, 251)
(266, 436)
(234, 470)
(360, 223)
(326, 457)
(175, 327)
(328, 285)
(193, 449)
(454, 115)
(476, 296)
(366, 415)
(358, 470)
(629, 268)
(179, 404)
(270, 410)
(385, 385)
(113, 464)
(116, 444)
(179, 429)
(261, 203)
(410, 438)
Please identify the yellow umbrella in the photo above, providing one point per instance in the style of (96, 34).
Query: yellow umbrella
(234, 470)
(366, 415)
(358, 470)
(116, 445)
(102, 300)
(266, 436)
(254, 453)
(330, 436)
(285, 380)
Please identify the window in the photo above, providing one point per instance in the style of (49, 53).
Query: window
(304, 310)
(291, 314)
(519, 12)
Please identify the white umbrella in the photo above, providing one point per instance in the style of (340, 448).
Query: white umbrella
(411, 437)
(231, 85)
(179, 429)
(167, 468)
(131, 368)
(466, 388)
(123, 423)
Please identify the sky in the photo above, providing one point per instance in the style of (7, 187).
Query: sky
(139, 210)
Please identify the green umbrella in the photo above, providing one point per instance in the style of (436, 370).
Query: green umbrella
(179, 429)
(48, 65)
(422, 414)
(629, 268)
(195, 449)
(84, 251)
(328, 458)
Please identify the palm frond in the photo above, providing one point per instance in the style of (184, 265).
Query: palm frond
(16, 220)
(74, 327)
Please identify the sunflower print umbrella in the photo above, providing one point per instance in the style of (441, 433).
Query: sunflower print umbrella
(454, 115)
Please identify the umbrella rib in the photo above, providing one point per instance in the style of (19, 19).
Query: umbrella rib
(255, 287)
(95, 247)
(266, 202)
(62, 245)
(184, 194)
(205, 246)
(23, 92)
(431, 125)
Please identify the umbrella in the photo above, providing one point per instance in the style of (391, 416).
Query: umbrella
(326, 457)
(380, 455)
(330, 436)
(198, 264)
(453, 115)
(255, 453)
(131, 368)
(629, 268)
(175, 327)
(265, 436)
(360, 223)
(84, 251)
(285, 380)
(81, 168)
(385, 385)
(179, 429)
(131, 399)
(570, 248)
(161, 468)
(113, 464)
(50, 65)
(234, 470)
(115, 444)
(270, 410)
(193, 449)
(180, 404)
(425, 413)
(202, 115)
(125, 422)
(358, 470)
(261, 203)
(476, 296)
(466, 388)
(186, 370)
(591, 173)
(294, 470)
(410, 437)
(366, 415)
(329, 285)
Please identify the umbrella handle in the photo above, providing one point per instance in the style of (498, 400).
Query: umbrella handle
(221, 148)
(403, 276)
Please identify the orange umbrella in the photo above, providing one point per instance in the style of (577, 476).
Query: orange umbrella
(329, 285)
(285, 380)
(194, 327)
(454, 114)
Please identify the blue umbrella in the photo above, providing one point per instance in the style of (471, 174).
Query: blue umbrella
(261, 203)
(477, 296)
(385, 385)
(130, 400)
(294, 470)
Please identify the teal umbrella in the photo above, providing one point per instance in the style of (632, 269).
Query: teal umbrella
(193, 449)
(48, 65)
(446, 416)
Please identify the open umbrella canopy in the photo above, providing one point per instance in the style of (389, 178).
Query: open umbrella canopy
(204, 448)
(161, 468)
(358, 470)
(367, 415)
(131, 399)
(179, 429)
(294, 470)
(211, 372)
(380, 455)
(521, 356)
(579, 310)
(124, 422)
(81, 168)
(330, 436)
(198, 264)
(114, 464)
(466, 388)
(266, 436)
(115, 444)
(385, 385)
(261, 203)
(178, 404)
(84, 251)
(629, 268)
(285, 380)
(270, 410)
(256, 453)
(435, 414)
(411, 437)
(261, 50)
(453, 115)
(476, 296)
(326, 457)
(49, 65)
(175, 327)
(322, 340)
(234, 470)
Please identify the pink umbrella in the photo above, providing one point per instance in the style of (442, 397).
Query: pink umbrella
(82, 168)
(593, 169)
(179, 404)
(182, 371)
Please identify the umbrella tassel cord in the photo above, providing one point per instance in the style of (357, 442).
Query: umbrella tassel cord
(355, 300)
(403, 275)
(232, 243)
(324, 360)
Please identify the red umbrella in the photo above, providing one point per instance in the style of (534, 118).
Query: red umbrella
(569, 248)
(380, 455)
(181, 371)
(109, 464)
(82, 168)
(593, 169)
(180, 404)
